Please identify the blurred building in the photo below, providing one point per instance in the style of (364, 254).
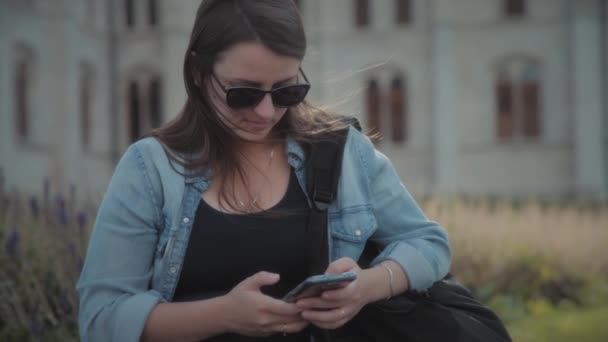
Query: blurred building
(484, 97)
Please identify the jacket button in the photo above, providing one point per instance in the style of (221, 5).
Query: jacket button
(358, 232)
(186, 220)
(172, 269)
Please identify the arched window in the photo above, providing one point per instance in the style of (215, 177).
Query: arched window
(153, 13)
(362, 13)
(134, 111)
(504, 106)
(22, 72)
(144, 103)
(518, 92)
(85, 104)
(403, 11)
(531, 106)
(373, 105)
(130, 13)
(155, 102)
(514, 8)
(22, 89)
(398, 110)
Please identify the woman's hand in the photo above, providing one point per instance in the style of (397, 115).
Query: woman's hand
(252, 313)
(334, 308)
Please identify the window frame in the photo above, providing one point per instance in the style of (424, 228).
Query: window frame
(403, 12)
(23, 87)
(373, 105)
(519, 81)
(398, 109)
(143, 94)
(153, 13)
(86, 104)
(515, 8)
(130, 12)
(362, 12)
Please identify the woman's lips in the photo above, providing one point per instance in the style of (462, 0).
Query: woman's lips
(258, 125)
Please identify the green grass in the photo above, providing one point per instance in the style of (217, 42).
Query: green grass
(580, 325)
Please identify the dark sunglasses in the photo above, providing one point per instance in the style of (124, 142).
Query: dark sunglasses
(248, 97)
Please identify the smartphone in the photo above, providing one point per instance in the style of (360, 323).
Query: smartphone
(313, 286)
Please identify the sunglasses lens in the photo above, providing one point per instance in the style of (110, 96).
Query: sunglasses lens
(244, 97)
(282, 97)
(290, 95)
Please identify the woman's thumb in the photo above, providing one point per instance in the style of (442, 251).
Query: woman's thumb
(260, 279)
(341, 265)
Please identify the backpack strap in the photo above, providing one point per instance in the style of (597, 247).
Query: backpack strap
(323, 171)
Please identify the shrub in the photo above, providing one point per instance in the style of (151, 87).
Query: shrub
(522, 258)
(43, 244)
(534, 252)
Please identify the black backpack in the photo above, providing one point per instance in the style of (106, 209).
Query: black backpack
(445, 312)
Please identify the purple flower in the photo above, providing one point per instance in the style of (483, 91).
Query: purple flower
(61, 213)
(47, 188)
(72, 249)
(46, 198)
(83, 219)
(64, 303)
(12, 243)
(35, 326)
(34, 206)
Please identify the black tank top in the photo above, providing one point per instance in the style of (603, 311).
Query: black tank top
(225, 248)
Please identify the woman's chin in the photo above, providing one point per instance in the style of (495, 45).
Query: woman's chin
(254, 136)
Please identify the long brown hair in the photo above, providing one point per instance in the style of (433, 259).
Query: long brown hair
(198, 129)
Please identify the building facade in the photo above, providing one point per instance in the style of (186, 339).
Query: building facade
(482, 97)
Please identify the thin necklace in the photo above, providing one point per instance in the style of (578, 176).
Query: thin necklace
(257, 195)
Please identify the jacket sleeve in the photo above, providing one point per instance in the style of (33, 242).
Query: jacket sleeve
(407, 236)
(113, 288)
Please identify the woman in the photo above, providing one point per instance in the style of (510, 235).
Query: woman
(200, 232)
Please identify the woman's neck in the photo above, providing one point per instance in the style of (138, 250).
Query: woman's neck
(253, 151)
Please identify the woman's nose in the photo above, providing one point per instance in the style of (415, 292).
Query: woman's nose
(265, 108)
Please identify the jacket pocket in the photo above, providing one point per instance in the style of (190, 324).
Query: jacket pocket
(350, 229)
(355, 224)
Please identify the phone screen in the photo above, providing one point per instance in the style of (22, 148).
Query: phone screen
(315, 285)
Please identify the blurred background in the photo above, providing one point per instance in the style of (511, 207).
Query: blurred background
(494, 113)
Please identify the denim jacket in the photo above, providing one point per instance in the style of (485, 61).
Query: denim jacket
(143, 225)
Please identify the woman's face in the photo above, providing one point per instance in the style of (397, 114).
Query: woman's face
(251, 64)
